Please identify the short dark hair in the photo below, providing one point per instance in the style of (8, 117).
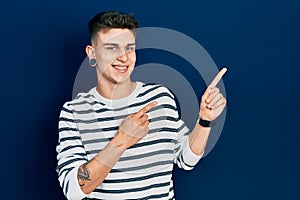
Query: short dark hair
(111, 19)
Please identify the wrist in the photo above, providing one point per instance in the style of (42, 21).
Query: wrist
(119, 141)
(203, 115)
(204, 122)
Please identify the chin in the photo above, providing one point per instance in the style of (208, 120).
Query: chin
(122, 77)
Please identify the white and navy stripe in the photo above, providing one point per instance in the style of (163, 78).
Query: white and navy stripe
(144, 171)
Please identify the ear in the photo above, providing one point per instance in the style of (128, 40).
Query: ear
(90, 51)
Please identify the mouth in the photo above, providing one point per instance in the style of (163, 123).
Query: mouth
(120, 69)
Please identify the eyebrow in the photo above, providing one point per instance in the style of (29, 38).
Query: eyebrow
(116, 45)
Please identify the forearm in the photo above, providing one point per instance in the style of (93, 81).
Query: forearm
(198, 139)
(93, 173)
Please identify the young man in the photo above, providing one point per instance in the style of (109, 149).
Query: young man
(121, 139)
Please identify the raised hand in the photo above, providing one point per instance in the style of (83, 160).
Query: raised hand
(212, 101)
(133, 128)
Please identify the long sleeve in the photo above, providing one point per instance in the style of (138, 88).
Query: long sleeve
(70, 154)
(184, 157)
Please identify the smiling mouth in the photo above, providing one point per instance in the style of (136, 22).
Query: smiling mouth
(120, 69)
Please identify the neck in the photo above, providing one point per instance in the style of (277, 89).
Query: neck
(111, 90)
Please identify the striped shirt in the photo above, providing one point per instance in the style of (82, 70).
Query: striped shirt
(144, 171)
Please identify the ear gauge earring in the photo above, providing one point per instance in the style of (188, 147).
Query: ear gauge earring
(93, 62)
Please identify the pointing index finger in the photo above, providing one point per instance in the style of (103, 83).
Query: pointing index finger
(218, 77)
(145, 109)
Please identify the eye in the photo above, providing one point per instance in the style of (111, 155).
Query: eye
(111, 48)
(131, 48)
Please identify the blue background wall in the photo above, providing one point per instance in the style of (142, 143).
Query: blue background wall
(257, 156)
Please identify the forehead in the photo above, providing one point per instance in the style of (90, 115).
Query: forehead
(116, 35)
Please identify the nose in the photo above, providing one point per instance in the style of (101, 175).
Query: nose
(123, 57)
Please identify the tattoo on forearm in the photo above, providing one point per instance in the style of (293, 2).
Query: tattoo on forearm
(83, 174)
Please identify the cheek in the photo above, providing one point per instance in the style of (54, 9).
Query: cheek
(104, 60)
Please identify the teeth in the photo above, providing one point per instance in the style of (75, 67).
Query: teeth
(121, 68)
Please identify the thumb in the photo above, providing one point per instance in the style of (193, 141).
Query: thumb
(206, 94)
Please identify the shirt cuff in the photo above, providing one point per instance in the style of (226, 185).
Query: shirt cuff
(74, 191)
(189, 156)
